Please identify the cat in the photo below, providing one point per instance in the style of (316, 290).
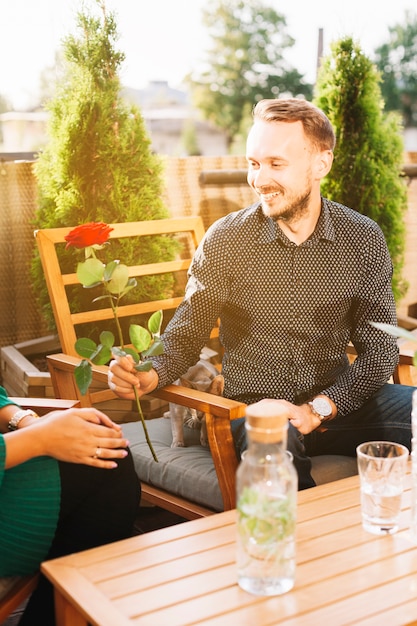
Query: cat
(203, 376)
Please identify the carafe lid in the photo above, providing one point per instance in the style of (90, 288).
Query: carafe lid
(267, 420)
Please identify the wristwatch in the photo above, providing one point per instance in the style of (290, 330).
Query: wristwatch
(321, 407)
(19, 415)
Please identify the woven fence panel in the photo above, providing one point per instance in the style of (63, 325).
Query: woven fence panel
(186, 195)
(20, 319)
(409, 302)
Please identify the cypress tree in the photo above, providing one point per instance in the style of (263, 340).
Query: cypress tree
(367, 169)
(98, 164)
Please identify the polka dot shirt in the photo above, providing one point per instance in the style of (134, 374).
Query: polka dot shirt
(287, 311)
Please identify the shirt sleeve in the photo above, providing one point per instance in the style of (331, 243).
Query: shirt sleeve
(190, 328)
(4, 398)
(377, 351)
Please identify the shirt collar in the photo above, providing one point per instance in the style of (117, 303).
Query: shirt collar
(270, 231)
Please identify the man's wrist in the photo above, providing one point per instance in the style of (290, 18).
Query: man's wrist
(323, 408)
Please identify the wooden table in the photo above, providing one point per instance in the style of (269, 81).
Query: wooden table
(186, 574)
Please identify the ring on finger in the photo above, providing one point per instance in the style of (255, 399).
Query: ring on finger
(97, 453)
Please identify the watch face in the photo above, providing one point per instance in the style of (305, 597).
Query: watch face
(322, 406)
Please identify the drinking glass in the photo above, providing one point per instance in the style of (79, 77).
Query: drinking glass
(382, 466)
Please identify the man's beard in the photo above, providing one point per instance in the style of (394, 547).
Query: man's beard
(295, 209)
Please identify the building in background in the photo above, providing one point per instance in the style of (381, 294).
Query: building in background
(174, 126)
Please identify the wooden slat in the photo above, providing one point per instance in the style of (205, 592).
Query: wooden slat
(142, 270)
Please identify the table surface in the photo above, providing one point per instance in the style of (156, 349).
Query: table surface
(186, 574)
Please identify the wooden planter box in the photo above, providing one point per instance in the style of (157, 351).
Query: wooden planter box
(20, 377)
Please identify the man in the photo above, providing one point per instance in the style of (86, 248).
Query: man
(293, 279)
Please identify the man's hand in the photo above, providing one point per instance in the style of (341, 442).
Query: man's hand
(305, 420)
(123, 378)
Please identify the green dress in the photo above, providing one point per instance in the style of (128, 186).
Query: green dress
(29, 509)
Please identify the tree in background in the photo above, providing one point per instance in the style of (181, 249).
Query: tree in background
(98, 164)
(189, 139)
(397, 62)
(367, 169)
(50, 77)
(245, 64)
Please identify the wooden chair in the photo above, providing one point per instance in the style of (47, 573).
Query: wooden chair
(189, 230)
(15, 589)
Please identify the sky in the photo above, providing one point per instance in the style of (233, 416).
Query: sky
(165, 39)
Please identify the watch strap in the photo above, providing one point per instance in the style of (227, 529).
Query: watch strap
(18, 416)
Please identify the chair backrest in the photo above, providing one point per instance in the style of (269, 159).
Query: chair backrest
(189, 229)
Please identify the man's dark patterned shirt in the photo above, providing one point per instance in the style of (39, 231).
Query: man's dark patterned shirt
(288, 311)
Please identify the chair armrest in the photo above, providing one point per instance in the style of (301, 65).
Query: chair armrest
(219, 412)
(41, 406)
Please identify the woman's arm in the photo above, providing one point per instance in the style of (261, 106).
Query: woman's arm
(74, 435)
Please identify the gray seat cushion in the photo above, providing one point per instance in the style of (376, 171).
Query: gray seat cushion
(329, 467)
(189, 472)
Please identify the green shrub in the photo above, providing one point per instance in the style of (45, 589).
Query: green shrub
(367, 169)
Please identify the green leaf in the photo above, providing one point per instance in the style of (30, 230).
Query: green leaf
(155, 349)
(85, 347)
(83, 376)
(119, 279)
(90, 272)
(102, 355)
(133, 354)
(107, 297)
(109, 269)
(131, 283)
(140, 337)
(155, 323)
(116, 351)
(395, 330)
(144, 366)
(107, 338)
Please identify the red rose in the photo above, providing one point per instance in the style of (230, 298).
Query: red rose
(94, 233)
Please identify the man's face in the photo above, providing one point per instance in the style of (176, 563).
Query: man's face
(282, 168)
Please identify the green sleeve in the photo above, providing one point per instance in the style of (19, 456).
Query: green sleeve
(2, 459)
(4, 398)
(30, 501)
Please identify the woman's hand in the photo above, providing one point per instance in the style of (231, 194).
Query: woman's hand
(123, 378)
(75, 435)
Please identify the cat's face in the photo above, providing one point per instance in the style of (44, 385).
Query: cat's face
(209, 385)
(191, 417)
